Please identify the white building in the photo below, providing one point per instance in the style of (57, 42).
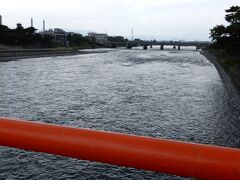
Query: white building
(59, 36)
(47, 32)
(100, 38)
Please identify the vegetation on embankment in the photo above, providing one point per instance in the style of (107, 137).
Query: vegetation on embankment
(230, 63)
(226, 44)
(227, 38)
(30, 38)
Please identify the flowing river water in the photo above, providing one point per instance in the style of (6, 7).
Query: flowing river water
(167, 94)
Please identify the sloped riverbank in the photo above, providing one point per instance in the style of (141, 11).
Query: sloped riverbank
(230, 77)
(15, 54)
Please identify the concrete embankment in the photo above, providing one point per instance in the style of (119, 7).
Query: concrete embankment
(14, 54)
(231, 86)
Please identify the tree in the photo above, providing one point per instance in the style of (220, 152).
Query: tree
(30, 31)
(233, 15)
(19, 28)
(217, 32)
(228, 37)
(4, 30)
(46, 41)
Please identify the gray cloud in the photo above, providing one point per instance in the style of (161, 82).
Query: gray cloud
(161, 19)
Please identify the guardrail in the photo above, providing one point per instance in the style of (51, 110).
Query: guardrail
(165, 156)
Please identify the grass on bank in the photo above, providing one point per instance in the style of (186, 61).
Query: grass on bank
(230, 63)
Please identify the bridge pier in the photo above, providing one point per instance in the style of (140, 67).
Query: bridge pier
(129, 46)
(161, 47)
(145, 47)
(113, 45)
(174, 47)
(197, 47)
(179, 47)
(151, 46)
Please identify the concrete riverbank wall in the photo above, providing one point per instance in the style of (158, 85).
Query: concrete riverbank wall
(8, 55)
(232, 89)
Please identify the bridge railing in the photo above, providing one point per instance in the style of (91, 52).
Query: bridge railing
(160, 155)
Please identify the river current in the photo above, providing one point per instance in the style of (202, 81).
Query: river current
(165, 94)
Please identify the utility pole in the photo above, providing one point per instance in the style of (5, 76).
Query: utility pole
(43, 25)
(31, 22)
(132, 34)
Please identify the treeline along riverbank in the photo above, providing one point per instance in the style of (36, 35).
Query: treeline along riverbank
(30, 38)
(225, 50)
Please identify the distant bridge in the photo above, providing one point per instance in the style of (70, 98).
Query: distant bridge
(175, 44)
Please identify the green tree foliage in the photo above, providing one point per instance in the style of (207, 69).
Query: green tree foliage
(78, 40)
(21, 36)
(28, 37)
(217, 32)
(228, 37)
(116, 39)
(233, 15)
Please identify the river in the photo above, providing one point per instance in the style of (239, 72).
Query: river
(167, 94)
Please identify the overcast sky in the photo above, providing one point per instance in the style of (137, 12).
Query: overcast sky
(159, 19)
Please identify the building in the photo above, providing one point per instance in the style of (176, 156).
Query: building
(47, 32)
(59, 36)
(100, 38)
(0, 20)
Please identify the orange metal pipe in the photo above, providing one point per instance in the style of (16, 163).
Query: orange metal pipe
(165, 156)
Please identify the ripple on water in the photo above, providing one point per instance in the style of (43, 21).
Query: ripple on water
(169, 94)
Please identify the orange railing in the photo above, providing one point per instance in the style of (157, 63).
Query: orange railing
(165, 156)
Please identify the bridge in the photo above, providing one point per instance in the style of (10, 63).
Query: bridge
(174, 44)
